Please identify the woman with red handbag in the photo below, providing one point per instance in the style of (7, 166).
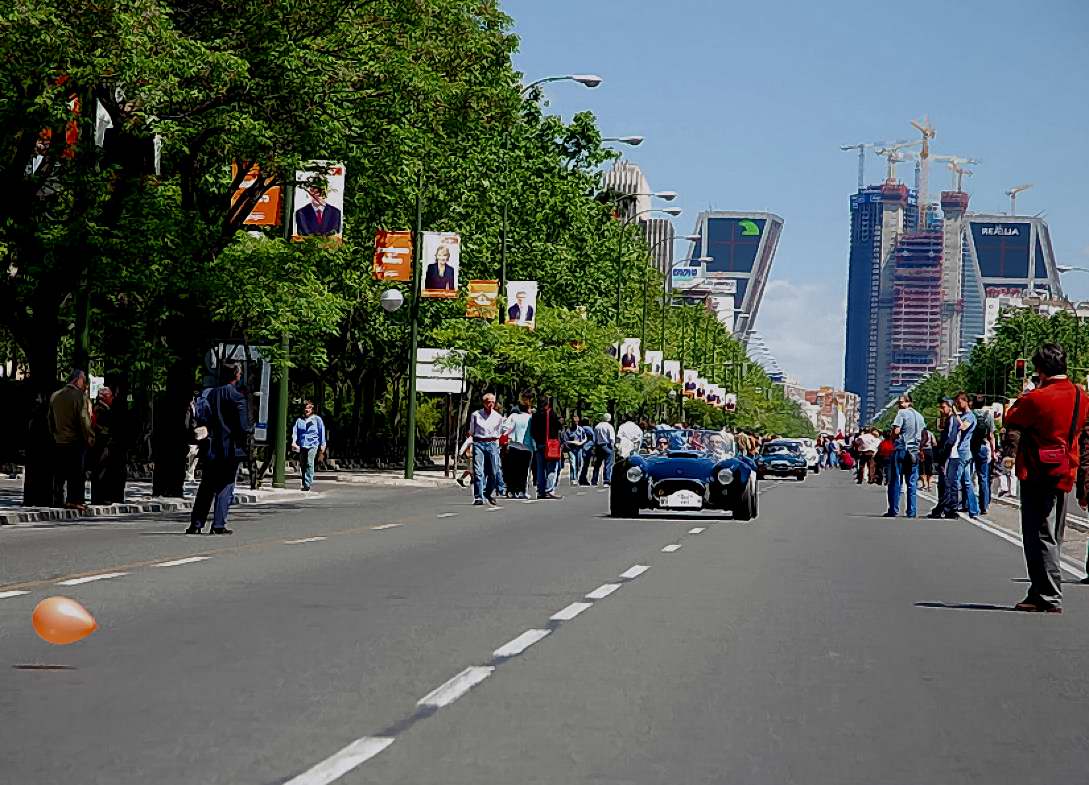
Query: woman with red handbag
(545, 427)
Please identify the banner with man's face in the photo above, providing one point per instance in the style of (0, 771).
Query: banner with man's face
(522, 303)
(319, 201)
(629, 355)
(441, 259)
(672, 370)
(691, 375)
(653, 361)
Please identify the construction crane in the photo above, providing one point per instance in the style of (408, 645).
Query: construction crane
(862, 147)
(1012, 193)
(895, 153)
(927, 130)
(955, 163)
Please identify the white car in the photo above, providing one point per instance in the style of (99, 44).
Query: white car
(813, 459)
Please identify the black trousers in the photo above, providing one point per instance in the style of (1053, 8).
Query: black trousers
(1043, 539)
(68, 471)
(108, 478)
(216, 484)
(516, 469)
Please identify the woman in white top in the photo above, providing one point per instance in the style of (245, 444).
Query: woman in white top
(517, 452)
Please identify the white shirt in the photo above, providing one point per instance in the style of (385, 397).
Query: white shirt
(485, 426)
(870, 443)
(631, 432)
(604, 434)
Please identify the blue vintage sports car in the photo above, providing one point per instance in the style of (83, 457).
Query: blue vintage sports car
(678, 469)
(782, 458)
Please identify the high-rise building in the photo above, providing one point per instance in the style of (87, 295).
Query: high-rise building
(916, 313)
(741, 246)
(659, 234)
(627, 179)
(879, 215)
(1013, 254)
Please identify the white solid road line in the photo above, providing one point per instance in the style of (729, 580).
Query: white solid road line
(528, 501)
(457, 686)
(385, 526)
(671, 548)
(336, 766)
(180, 562)
(696, 531)
(90, 578)
(634, 571)
(304, 539)
(14, 593)
(446, 515)
(603, 591)
(571, 611)
(521, 643)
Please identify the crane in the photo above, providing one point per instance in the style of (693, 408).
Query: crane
(1012, 193)
(895, 153)
(927, 130)
(955, 163)
(862, 147)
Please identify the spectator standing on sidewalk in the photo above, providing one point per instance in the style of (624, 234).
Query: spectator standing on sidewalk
(308, 439)
(228, 433)
(958, 469)
(518, 452)
(904, 464)
(573, 440)
(983, 451)
(72, 432)
(545, 427)
(604, 446)
(948, 429)
(926, 458)
(108, 464)
(485, 425)
(867, 444)
(1045, 428)
(587, 450)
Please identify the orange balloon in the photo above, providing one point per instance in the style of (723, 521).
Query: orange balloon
(61, 620)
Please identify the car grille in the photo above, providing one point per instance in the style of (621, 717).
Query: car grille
(666, 487)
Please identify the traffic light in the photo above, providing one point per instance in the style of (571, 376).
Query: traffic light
(1019, 368)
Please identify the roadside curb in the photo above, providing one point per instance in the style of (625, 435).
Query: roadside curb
(139, 508)
(1072, 521)
(397, 482)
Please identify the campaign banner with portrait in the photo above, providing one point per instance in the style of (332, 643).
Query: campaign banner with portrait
(729, 402)
(267, 210)
(483, 300)
(392, 256)
(653, 361)
(319, 201)
(441, 258)
(701, 389)
(690, 377)
(714, 395)
(522, 303)
(672, 370)
(629, 355)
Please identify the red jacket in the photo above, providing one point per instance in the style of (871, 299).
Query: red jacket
(1043, 418)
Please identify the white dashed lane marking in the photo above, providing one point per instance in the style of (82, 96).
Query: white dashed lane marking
(447, 515)
(91, 578)
(457, 686)
(603, 591)
(303, 540)
(634, 571)
(521, 643)
(336, 766)
(180, 562)
(671, 548)
(14, 593)
(571, 611)
(696, 531)
(385, 526)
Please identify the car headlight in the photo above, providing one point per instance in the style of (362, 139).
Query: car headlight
(725, 476)
(634, 474)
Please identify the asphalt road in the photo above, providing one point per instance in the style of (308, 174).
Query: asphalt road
(817, 644)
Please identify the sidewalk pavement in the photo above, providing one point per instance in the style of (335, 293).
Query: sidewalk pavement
(138, 499)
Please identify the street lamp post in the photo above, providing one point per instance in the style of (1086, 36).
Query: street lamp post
(646, 279)
(671, 211)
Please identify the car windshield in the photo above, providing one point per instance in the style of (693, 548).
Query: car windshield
(661, 441)
(781, 448)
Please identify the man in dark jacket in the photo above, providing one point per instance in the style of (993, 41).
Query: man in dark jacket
(229, 427)
(544, 426)
(70, 426)
(108, 464)
(1045, 428)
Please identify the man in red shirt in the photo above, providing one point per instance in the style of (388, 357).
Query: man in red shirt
(1045, 429)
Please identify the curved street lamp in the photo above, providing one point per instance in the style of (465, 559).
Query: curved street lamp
(586, 80)
(634, 141)
(671, 211)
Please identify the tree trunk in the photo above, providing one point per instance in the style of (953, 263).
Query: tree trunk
(42, 359)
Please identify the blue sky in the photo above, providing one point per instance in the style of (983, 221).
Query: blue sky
(744, 107)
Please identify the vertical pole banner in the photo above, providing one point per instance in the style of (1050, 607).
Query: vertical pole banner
(483, 300)
(392, 256)
(653, 361)
(672, 370)
(441, 260)
(522, 303)
(320, 192)
(690, 382)
(629, 355)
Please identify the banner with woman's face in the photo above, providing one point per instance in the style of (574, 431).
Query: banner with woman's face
(441, 259)
(672, 370)
(629, 355)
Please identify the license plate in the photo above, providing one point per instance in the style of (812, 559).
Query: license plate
(684, 500)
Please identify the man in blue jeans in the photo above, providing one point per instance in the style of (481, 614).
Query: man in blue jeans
(983, 449)
(484, 428)
(604, 444)
(958, 471)
(904, 464)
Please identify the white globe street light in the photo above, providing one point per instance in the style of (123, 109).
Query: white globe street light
(391, 300)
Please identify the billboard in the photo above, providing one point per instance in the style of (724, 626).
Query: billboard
(685, 277)
(629, 355)
(672, 370)
(653, 361)
(319, 201)
(392, 256)
(522, 303)
(1002, 248)
(441, 258)
(483, 300)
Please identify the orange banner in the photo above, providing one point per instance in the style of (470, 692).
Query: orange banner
(483, 300)
(392, 256)
(267, 210)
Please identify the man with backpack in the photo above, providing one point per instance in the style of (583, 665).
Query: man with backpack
(1045, 429)
(904, 464)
